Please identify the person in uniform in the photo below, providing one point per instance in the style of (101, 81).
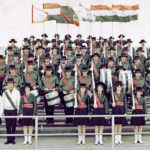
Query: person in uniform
(148, 83)
(3, 69)
(118, 47)
(67, 85)
(70, 57)
(140, 108)
(49, 84)
(82, 108)
(27, 107)
(100, 107)
(119, 108)
(13, 45)
(10, 107)
(9, 56)
(140, 54)
(85, 56)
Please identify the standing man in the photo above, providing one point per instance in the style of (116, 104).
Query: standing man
(10, 107)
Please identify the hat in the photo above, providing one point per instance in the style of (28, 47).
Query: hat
(142, 41)
(120, 68)
(63, 58)
(121, 35)
(12, 67)
(13, 40)
(118, 41)
(137, 71)
(53, 41)
(96, 54)
(103, 66)
(54, 47)
(1, 57)
(136, 57)
(83, 47)
(30, 62)
(78, 56)
(38, 40)
(125, 49)
(32, 36)
(138, 88)
(140, 49)
(94, 38)
(84, 68)
(49, 67)
(110, 59)
(89, 37)
(56, 35)
(47, 56)
(27, 85)
(25, 39)
(26, 47)
(16, 54)
(100, 38)
(105, 40)
(9, 48)
(123, 55)
(10, 80)
(44, 35)
(129, 41)
(40, 47)
(118, 83)
(30, 55)
(112, 49)
(78, 44)
(68, 69)
(82, 85)
(79, 35)
(111, 38)
(97, 46)
(102, 85)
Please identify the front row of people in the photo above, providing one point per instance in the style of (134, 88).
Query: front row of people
(13, 104)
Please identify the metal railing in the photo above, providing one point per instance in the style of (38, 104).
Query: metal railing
(112, 133)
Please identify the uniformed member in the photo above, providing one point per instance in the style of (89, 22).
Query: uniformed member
(140, 108)
(11, 101)
(67, 85)
(83, 108)
(119, 108)
(101, 107)
(49, 84)
(27, 107)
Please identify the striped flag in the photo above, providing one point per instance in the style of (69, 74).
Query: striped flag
(62, 14)
(115, 12)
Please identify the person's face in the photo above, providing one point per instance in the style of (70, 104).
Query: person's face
(138, 74)
(26, 51)
(10, 85)
(31, 58)
(12, 43)
(140, 53)
(26, 42)
(30, 67)
(69, 52)
(16, 59)
(96, 58)
(54, 51)
(68, 73)
(12, 71)
(139, 93)
(137, 61)
(82, 89)
(27, 90)
(110, 63)
(129, 44)
(83, 51)
(48, 72)
(1, 61)
(78, 60)
(100, 89)
(84, 73)
(119, 88)
(47, 61)
(112, 52)
(123, 59)
(143, 44)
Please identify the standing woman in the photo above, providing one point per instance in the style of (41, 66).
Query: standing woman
(28, 108)
(119, 108)
(101, 108)
(140, 108)
(83, 108)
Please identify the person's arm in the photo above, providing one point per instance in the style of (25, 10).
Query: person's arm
(18, 101)
(35, 106)
(21, 106)
(145, 106)
(1, 105)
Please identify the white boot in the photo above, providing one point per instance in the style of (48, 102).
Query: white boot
(119, 139)
(135, 138)
(96, 139)
(79, 140)
(101, 139)
(30, 140)
(25, 140)
(83, 139)
(140, 139)
(116, 139)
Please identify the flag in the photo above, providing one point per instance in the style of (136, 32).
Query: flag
(115, 13)
(62, 14)
(86, 14)
(38, 15)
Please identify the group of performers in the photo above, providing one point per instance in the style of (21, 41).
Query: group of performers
(97, 77)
